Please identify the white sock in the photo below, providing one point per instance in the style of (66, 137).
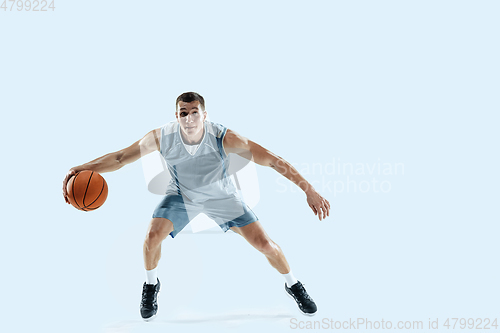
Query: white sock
(290, 279)
(151, 276)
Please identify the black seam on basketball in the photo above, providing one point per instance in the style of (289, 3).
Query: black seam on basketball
(102, 189)
(73, 190)
(88, 183)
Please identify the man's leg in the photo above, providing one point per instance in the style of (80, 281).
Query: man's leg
(159, 228)
(255, 234)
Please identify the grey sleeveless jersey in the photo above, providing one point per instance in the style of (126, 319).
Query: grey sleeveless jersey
(203, 175)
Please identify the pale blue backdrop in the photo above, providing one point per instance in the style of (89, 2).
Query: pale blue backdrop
(389, 107)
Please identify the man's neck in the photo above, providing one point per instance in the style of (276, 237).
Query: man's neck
(193, 141)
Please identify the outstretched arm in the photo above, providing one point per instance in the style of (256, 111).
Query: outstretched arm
(118, 159)
(238, 144)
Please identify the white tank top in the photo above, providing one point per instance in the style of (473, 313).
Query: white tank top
(202, 175)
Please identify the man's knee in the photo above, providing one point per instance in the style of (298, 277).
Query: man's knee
(154, 238)
(266, 246)
(158, 230)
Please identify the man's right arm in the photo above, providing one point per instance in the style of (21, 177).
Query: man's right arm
(116, 160)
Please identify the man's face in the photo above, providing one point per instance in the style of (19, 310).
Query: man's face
(191, 117)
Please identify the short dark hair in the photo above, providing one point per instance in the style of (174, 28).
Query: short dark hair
(189, 97)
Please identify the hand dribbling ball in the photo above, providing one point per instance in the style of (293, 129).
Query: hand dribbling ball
(87, 190)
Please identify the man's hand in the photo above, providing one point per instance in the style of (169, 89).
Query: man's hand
(70, 174)
(319, 205)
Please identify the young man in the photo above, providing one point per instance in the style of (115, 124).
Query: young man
(196, 152)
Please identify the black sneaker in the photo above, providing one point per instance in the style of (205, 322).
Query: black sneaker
(304, 301)
(149, 305)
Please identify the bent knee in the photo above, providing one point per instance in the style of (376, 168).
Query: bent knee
(155, 237)
(266, 246)
(158, 231)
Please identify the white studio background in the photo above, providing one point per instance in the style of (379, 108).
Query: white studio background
(390, 108)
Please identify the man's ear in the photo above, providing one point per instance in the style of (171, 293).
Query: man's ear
(205, 114)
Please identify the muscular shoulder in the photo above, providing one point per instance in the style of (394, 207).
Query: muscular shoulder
(151, 141)
(234, 142)
(248, 149)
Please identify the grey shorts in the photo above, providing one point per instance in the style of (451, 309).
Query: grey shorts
(227, 212)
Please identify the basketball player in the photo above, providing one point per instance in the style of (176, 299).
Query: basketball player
(196, 151)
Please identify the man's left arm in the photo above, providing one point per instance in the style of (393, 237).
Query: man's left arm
(238, 144)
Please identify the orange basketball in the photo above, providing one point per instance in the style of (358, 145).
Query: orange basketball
(87, 190)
